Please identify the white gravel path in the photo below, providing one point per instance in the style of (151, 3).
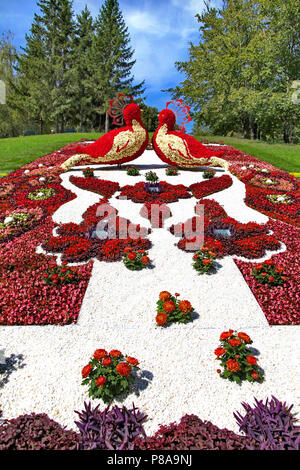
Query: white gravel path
(118, 312)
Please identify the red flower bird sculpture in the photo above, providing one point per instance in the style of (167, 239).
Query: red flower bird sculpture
(179, 149)
(117, 146)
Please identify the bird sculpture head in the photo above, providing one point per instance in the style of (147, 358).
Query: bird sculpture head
(166, 116)
(132, 112)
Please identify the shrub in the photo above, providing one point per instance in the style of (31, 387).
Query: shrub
(208, 174)
(36, 432)
(112, 429)
(88, 173)
(271, 424)
(195, 434)
(109, 374)
(172, 171)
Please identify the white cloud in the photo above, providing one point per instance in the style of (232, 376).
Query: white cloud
(146, 22)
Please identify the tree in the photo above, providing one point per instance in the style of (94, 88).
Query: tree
(150, 117)
(112, 59)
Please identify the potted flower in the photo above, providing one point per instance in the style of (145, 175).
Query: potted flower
(135, 260)
(108, 375)
(237, 358)
(208, 174)
(170, 309)
(88, 173)
(269, 273)
(132, 171)
(151, 176)
(203, 260)
(172, 171)
(61, 275)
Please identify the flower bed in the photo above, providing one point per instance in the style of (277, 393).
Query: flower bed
(89, 183)
(168, 193)
(211, 186)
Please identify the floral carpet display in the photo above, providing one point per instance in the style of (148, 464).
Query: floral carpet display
(106, 257)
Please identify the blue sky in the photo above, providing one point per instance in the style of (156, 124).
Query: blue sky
(160, 32)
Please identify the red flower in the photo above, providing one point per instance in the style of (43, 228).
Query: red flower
(164, 295)
(233, 365)
(206, 261)
(252, 360)
(269, 262)
(99, 354)
(123, 369)
(244, 337)
(220, 352)
(226, 334)
(271, 278)
(161, 319)
(219, 371)
(131, 256)
(127, 249)
(176, 294)
(196, 256)
(132, 360)
(106, 361)
(86, 370)
(145, 260)
(169, 306)
(115, 353)
(234, 342)
(100, 381)
(254, 375)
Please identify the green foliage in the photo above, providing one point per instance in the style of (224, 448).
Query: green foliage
(151, 176)
(203, 261)
(136, 260)
(132, 171)
(239, 78)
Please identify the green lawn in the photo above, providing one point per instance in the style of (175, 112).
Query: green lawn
(15, 152)
(282, 156)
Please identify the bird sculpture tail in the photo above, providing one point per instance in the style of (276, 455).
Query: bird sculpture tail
(73, 160)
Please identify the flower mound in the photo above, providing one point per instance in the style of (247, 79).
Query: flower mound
(269, 273)
(172, 310)
(14, 223)
(112, 429)
(271, 424)
(109, 374)
(36, 432)
(214, 185)
(194, 434)
(237, 358)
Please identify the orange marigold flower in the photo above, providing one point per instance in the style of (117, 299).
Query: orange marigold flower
(86, 370)
(123, 368)
(100, 381)
(161, 319)
(106, 361)
(233, 365)
(254, 375)
(145, 260)
(132, 360)
(244, 337)
(128, 249)
(234, 342)
(164, 295)
(115, 353)
(169, 306)
(206, 261)
(185, 306)
(99, 354)
(131, 256)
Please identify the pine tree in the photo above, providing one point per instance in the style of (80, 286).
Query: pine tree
(113, 58)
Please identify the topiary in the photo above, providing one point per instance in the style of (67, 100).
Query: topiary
(36, 432)
(193, 433)
(271, 424)
(112, 429)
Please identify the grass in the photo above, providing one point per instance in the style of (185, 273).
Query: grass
(17, 151)
(282, 156)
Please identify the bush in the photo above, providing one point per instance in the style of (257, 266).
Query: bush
(193, 433)
(271, 424)
(36, 432)
(112, 429)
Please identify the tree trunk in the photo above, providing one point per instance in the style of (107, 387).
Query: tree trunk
(252, 128)
(41, 126)
(106, 122)
(56, 125)
(62, 127)
(285, 133)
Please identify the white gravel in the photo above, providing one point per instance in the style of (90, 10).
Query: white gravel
(118, 312)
